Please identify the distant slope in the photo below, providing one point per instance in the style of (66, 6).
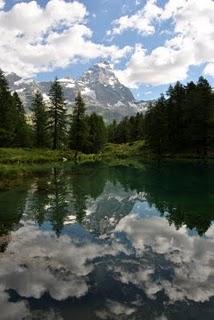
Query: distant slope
(100, 88)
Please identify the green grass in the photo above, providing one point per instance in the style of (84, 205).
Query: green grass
(124, 151)
(15, 163)
(18, 156)
(30, 156)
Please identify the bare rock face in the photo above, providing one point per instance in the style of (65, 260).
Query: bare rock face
(102, 91)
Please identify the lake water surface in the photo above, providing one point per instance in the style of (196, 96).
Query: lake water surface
(99, 242)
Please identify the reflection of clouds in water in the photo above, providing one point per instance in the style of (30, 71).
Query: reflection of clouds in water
(191, 258)
(9, 310)
(20, 310)
(46, 315)
(37, 262)
(114, 309)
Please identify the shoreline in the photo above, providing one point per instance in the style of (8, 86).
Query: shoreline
(17, 164)
(111, 152)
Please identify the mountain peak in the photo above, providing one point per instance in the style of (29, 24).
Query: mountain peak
(101, 90)
(104, 64)
(101, 73)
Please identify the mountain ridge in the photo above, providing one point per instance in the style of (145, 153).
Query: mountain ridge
(100, 88)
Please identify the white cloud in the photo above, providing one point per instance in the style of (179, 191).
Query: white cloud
(11, 310)
(35, 38)
(115, 310)
(2, 4)
(190, 258)
(142, 21)
(162, 66)
(209, 70)
(37, 261)
(192, 44)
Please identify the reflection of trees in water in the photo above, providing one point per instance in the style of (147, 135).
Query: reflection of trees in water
(86, 182)
(183, 193)
(12, 204)
(64, 192)
(58, 206)
(40, 200)
(48, 201)
(180, 192)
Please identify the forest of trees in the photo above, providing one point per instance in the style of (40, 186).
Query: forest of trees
(50, 125)
(182, 120)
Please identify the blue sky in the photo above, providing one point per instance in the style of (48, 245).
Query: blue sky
(149, 43)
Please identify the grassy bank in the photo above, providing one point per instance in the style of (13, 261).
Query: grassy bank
(32, 156)
(111, 152)
(16, 164)
(21, 158)
(140, 151)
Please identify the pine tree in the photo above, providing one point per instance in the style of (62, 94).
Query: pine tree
(97, 133)
(40, 121)
(175, 112)
(79, 129)
(123, 131)
(156, 126)
(111, 130)
(22, 134)
(136, 125)
(205, 112)
(57, 115)
(7, 114)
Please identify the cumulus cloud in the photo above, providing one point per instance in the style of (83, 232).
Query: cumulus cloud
(163, 65)
(2, 4)
(115, 310)
(209, 70)
(10, 310)
(142, 21)
(192, 44)
(36, 38)
(37, 262)
(189, 257)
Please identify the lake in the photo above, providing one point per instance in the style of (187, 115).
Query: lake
(109, 242)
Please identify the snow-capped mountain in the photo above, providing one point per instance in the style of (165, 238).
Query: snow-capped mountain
(100, 88)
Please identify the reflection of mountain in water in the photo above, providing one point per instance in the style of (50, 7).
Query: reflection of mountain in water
(99, 196)
(124, 261)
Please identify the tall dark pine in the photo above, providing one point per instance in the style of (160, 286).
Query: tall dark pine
(156, 126)
(175, 114)
(57, 115)
(205, 111)
(7, 114)
(22, 136)
(111, 130)
(40, 121)
(97, 133)
(79, 128)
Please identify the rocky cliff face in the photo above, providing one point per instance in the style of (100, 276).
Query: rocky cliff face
(100, 88)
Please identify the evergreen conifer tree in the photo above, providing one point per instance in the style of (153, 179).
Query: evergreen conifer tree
(22, 134)
(7, 114)
(97, 133)
(40, 121)
(79, 129)
(57, 115)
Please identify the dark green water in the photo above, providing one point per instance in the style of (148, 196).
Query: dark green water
(99, 242)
